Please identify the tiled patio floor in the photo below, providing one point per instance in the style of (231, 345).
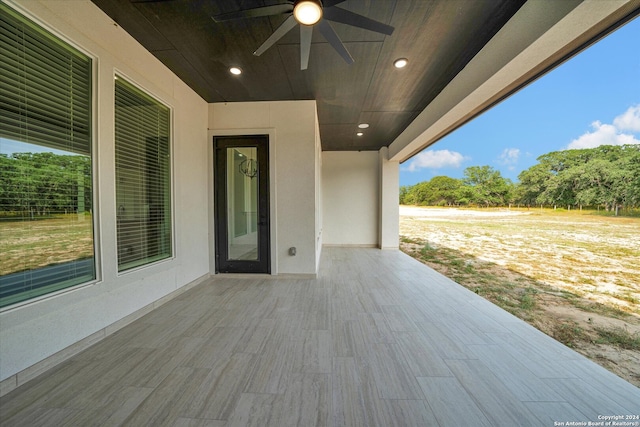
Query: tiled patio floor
(378, 339)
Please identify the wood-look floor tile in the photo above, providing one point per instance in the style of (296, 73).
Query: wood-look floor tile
(366, 302)
(158, 334)
(40, 417)
(495, 400)
(525, 386)
(155, 367)
(421, 355)
(554, 413)
(539, 342)
(252, 410)
(237, 316)
(377, 339)
(113, 409)
(219, 392)
(255, 338)
(195, 422)
(99, 384)
(405, 413)
(397, 318)
(317, 352)
(481, 321)
(218, 346)
(536, 360)
(342, 338)
(289, 324)
(275, 366)
(589, 400)
(179, 388)
(392, 377)
(446, 345)
(345, 308)
(387, 296)
(171, 309)
(313, 300)
(375, 411)
(110, 348)
(93, 382)
(203, 326)
(306, 402)
(60, 381)
(605, 383)
(451, 404)
(375, 328)
(347, 399)
(463, 332)
(422, 310)
(316, 320)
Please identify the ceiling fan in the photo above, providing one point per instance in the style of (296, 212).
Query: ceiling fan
(309, 13)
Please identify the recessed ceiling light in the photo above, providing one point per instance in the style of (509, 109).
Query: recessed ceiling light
(307, 12)
(400, 63)
(235, 71)
(360, 133)
(363, 125)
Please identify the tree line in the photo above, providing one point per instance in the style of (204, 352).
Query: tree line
(605, 177)
(37, 184)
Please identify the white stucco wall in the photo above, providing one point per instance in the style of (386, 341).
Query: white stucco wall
(350, 184)
(33, 331)
(389, 197)
(292, 127)
(318, 178)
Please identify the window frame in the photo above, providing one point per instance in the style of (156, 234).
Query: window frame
(119, 74)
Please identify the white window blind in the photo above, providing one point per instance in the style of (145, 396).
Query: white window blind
(143, 177)
(46, 87)
(46, 228)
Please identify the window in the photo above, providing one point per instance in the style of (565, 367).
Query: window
(143, 177)
(46, 225)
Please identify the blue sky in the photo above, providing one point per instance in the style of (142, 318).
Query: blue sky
(9, 146)
(592, 99)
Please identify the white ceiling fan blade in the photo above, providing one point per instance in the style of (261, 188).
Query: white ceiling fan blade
(252, 13)
(305, 45)
(330, 35)
(343, 16)
(283, 29)
(329, 3)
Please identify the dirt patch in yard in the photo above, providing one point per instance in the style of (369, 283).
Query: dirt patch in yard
(573, 276)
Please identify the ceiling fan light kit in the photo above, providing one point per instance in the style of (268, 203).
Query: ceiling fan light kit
(308, 14)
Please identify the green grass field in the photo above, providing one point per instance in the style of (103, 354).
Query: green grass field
(30, 244)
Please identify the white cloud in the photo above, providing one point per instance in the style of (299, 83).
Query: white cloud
(436, 159)
(509, 157)
(603, 134)
(619, 133)
(629, 120)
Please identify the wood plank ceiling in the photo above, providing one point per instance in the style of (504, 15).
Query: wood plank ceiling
(439, 37)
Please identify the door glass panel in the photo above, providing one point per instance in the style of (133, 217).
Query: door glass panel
(242, 203)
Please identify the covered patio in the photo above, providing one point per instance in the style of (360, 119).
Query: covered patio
(376, 339)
